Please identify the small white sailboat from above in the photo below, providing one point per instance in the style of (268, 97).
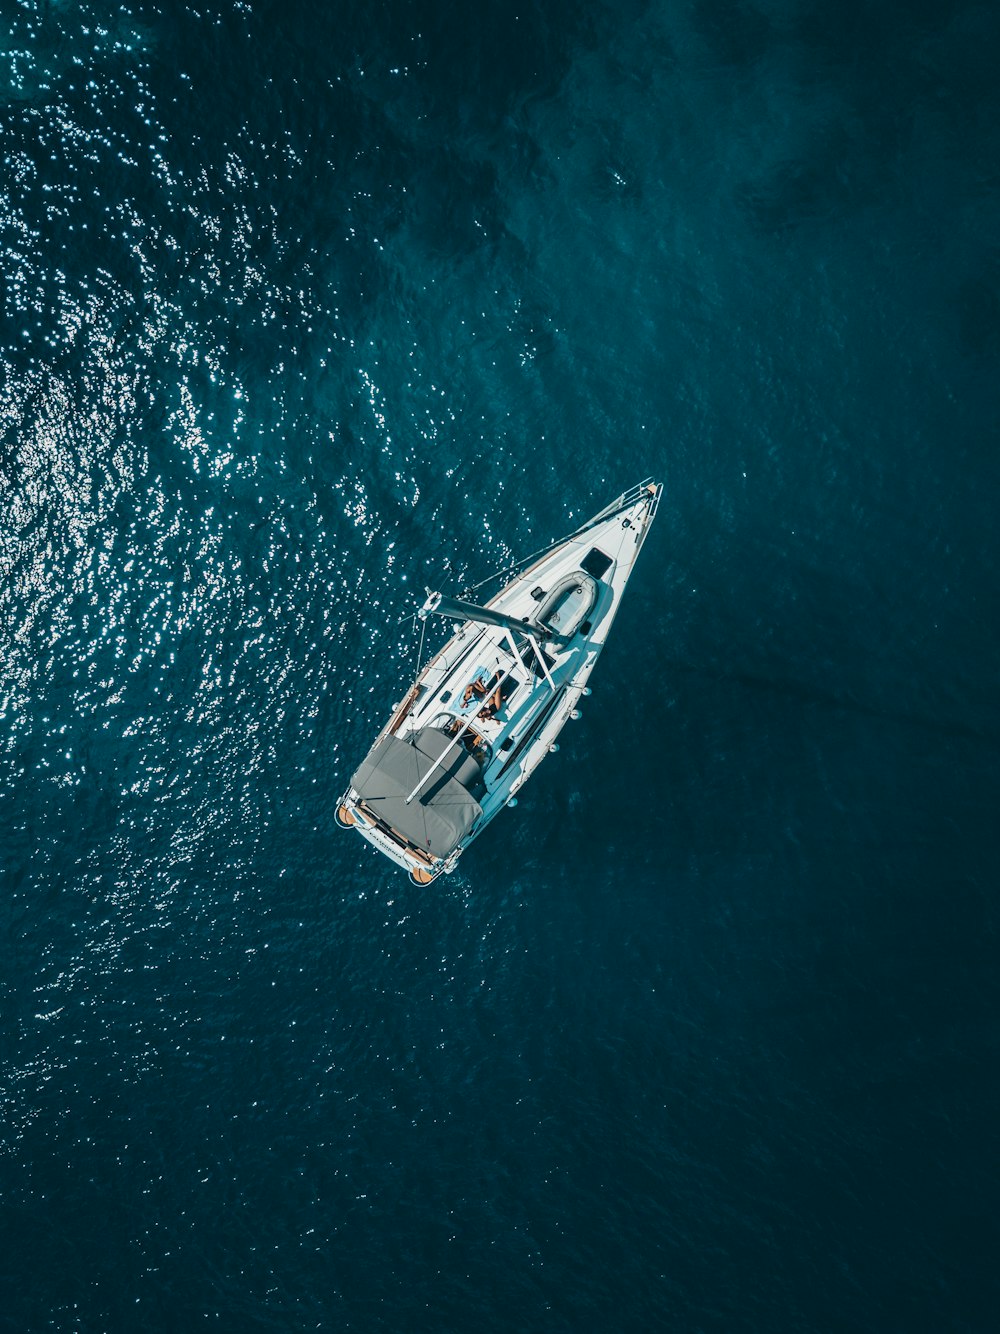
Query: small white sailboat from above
(488, 707)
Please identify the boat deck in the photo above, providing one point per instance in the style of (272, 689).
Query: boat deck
(500, 692)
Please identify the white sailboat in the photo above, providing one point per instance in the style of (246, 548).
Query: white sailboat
(488, 707)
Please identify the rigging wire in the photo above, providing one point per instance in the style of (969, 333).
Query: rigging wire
(535, 555)
(626, 498)
(517, 565)
(420, 649)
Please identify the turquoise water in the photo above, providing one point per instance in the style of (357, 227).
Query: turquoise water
(310, 306)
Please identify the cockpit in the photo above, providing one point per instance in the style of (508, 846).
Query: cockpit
(476, 744)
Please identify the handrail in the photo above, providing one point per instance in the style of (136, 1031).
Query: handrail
(626, 499)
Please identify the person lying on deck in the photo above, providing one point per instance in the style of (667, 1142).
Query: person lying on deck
(477, 686)
(476, 690)
(491, 705)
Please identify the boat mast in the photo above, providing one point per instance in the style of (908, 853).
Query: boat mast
(458, 610)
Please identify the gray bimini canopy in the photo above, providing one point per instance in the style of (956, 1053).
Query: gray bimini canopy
(445, 808)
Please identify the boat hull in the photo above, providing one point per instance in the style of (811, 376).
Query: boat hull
(500, 693)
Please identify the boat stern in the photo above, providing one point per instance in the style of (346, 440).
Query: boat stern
(423, 868)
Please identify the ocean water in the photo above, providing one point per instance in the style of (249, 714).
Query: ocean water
(307, 306)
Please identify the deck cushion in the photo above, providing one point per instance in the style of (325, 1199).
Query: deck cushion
(445, 808)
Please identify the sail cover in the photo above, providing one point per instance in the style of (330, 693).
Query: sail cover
(445, 808)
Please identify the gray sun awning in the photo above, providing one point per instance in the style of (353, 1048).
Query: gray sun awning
(445, 808)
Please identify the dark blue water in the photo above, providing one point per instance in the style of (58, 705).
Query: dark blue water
(307, 304)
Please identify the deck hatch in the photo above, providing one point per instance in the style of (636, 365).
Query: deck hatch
(596, 563)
